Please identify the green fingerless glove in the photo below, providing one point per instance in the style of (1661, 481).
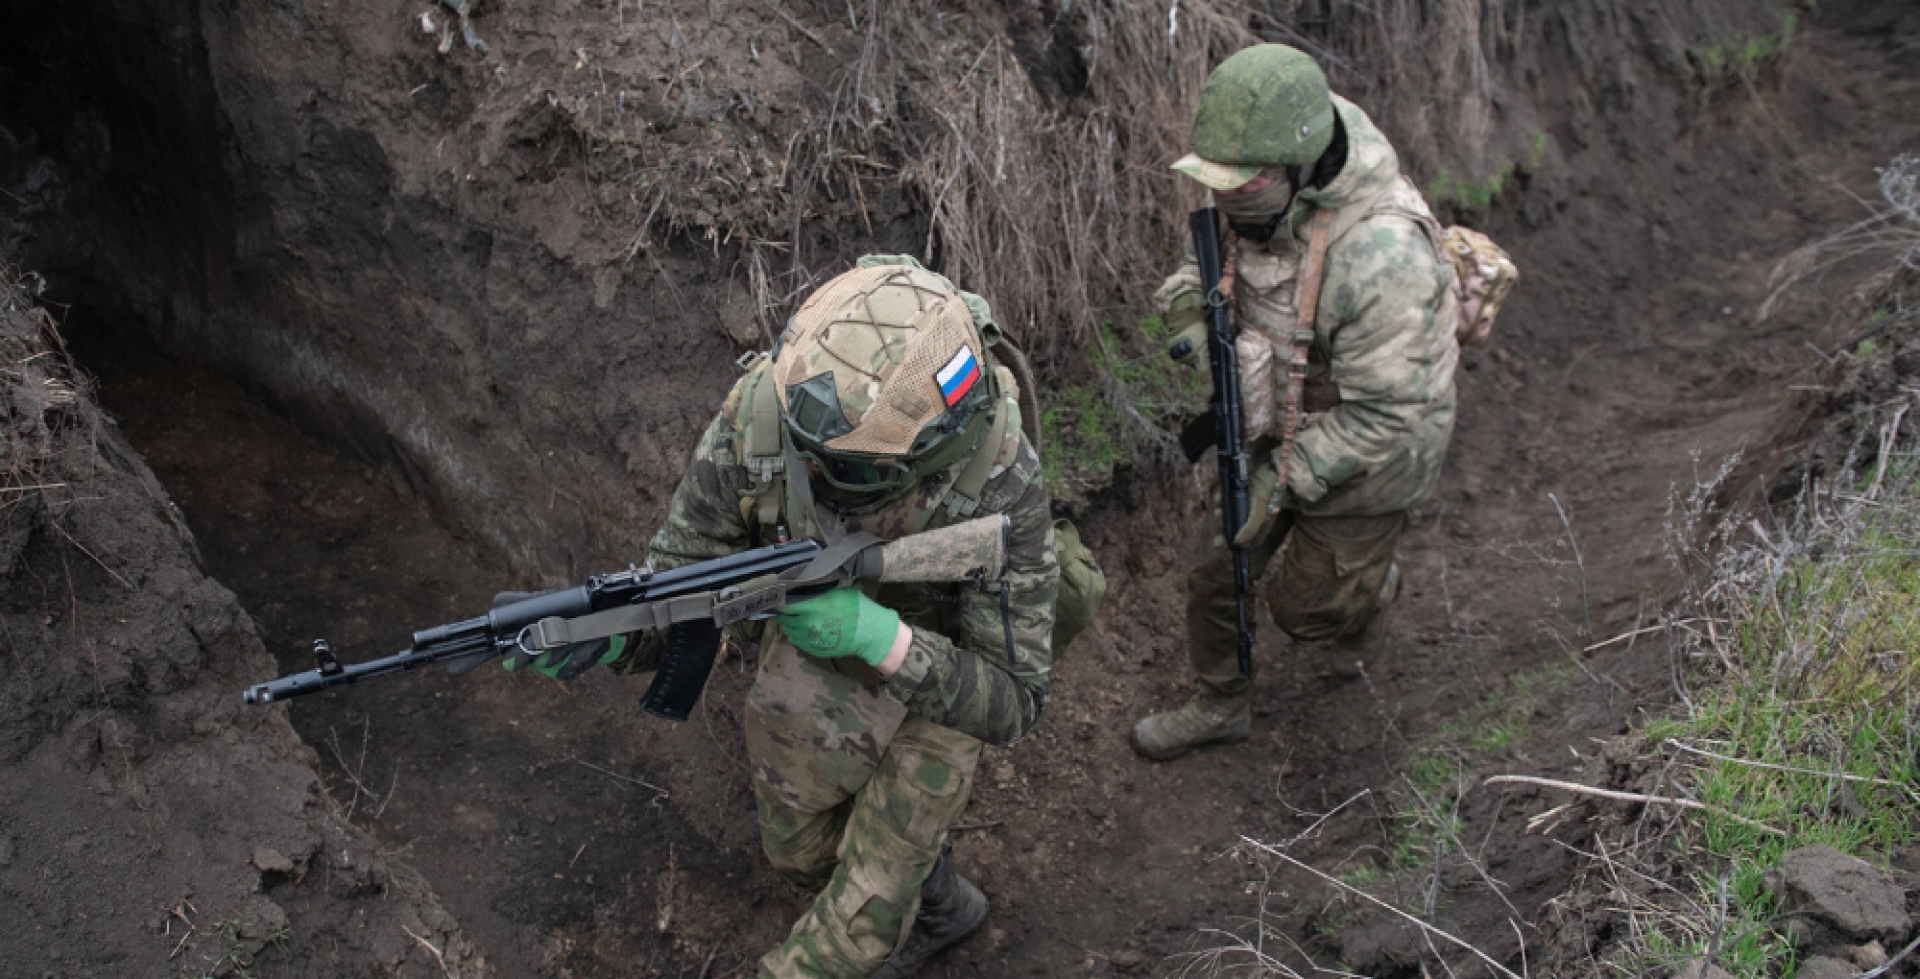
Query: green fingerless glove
(842, 622)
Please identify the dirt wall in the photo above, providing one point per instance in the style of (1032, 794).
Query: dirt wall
(469, 263)
(149, 826)
(397, 244)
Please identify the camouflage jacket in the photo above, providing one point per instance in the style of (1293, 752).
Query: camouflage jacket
(1380, 335)
(980, 662)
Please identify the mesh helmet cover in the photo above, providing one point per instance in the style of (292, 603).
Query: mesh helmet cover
(883, 335)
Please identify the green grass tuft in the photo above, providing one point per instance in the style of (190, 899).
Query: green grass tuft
(1742, 57)
(1468, 195)
(1813, 720)
(1137, 392)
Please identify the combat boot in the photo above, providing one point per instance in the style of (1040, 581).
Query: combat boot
(1359, 651)
(951, 908)
(1206, 718)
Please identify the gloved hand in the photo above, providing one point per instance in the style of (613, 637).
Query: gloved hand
(1189, 326)
(1266, 497)
(841, 622)
(564, 663)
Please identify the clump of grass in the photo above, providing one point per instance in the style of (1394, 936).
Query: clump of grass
(1742, 57)
(1471, 196)
(1131, 404)
(1807, 727)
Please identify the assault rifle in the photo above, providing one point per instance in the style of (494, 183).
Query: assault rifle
(1220, 428)
(690, 604)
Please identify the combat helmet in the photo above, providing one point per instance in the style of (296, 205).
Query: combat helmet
(882, 377)
(1266, 106)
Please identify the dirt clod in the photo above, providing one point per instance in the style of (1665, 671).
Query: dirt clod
(1824, 967)
(1701, 970)
(1842, 893)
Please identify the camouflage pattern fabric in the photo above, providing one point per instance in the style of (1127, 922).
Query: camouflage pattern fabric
(1383, 335)
(839, 753)
(1328, 587)
(868, 855)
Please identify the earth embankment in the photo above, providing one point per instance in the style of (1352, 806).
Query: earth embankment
(400, 321)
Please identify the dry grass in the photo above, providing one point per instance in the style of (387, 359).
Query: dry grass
(1033, 138)
(41, 393)
(1890, 234)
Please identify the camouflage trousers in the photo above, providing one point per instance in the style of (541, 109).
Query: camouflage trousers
(868, 855)
(1328, 587)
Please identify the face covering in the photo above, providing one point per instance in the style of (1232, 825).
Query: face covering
(1256, 215)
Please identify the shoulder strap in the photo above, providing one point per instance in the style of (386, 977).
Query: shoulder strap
(1307, 301)
(963, 497)
(765, 456)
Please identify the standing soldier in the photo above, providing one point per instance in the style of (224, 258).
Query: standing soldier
(1289, 163)
(879, 411)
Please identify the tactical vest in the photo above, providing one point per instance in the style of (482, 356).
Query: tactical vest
(1280, 303)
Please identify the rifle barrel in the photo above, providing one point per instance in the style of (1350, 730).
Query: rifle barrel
(314, 681)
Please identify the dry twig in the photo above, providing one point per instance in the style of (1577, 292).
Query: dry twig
(1577, 788)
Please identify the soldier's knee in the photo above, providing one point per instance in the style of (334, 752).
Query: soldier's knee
(802, 847)
(1309, 624)
(804, 870)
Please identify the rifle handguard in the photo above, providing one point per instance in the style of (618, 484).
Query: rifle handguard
(971, 550)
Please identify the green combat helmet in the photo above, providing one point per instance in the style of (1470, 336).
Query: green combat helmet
(1267, 106)
(881, 378)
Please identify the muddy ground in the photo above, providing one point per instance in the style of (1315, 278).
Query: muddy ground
(569, 835)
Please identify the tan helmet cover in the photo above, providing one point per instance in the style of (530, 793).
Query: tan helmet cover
(899, 341)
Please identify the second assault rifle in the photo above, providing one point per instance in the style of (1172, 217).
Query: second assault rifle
(1221, 427)
(689, 604)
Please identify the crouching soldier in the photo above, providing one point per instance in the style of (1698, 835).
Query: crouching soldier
(880, 411)
(1335, 256)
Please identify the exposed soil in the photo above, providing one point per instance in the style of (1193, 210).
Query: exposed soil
(1629, 361)
(148, 825)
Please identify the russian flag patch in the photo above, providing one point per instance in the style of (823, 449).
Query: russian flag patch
(959, 376)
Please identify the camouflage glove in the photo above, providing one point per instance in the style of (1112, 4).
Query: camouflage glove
(1189, 327)
(1266, 497)
(842, 622)
(564, 663)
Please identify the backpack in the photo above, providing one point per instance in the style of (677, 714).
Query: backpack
(1479, 272)
(1482, 277)
(1083, 585)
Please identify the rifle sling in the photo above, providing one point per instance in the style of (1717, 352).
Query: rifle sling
(963, 497)
(853, 556)
(767, 458)
(1307, 302)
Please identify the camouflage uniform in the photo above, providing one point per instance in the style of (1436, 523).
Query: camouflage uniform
(1381, 366)
(858, 778)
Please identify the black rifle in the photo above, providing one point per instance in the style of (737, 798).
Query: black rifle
(1220, 428)
(689, 603)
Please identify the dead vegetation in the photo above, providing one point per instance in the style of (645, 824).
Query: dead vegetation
(1889, 236)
